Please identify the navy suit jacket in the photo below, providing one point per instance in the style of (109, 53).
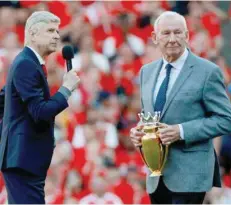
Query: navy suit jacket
(28, 111)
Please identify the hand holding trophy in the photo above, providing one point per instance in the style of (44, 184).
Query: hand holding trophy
(153, 152)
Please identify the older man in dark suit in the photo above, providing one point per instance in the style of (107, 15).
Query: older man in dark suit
(28, 110)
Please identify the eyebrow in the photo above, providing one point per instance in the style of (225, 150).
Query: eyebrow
(51, 28)
(169, 30)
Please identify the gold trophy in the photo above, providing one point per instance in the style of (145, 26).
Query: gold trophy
(153, 152)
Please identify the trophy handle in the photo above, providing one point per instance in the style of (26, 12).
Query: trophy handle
(164, 158)
(142, 155)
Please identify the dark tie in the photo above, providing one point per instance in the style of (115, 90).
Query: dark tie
(44, 70)
(161, 96)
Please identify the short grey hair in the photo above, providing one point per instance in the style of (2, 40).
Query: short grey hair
(170, 14)
(37, 19)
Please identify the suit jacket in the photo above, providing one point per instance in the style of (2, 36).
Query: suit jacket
(27, 137)
(199, 102)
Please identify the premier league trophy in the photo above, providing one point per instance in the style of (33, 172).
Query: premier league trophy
(153, 152)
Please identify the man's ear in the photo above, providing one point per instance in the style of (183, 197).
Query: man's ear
(33, 33)
(154, 38)
(186, 36)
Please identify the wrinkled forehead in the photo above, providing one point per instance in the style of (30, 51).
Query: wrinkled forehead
(171, 23)
(45, 25)
(52, 25)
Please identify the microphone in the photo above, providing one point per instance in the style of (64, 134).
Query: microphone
(68, 54)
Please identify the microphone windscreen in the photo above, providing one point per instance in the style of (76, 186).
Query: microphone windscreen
(68, 52)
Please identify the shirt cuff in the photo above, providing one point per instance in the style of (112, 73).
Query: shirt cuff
(65, 92)
(181, 131)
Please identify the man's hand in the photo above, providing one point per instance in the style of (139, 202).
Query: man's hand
(71, 80)
(136, 135)
(169, 133)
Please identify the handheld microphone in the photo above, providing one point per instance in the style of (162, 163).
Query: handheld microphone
(68, 54)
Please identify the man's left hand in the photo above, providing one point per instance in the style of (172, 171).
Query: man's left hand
(169, 134)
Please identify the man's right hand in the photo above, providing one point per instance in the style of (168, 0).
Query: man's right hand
(71, 80)
(136, 135)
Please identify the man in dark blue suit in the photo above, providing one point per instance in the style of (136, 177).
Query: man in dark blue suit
(28, 111)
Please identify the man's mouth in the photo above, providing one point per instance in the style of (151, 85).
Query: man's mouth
(173, 47)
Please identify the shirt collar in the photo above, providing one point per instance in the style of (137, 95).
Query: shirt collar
(178, 64)
(41, 61)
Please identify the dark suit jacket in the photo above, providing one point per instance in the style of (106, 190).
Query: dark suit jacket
(27, 137)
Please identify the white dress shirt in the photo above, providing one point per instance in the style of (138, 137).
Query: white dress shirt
(41, 61)
(175, 71)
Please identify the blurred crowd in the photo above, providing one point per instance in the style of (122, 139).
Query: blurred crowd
(94, 161)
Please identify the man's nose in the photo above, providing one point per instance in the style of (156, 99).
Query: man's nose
(172, 37)
(56, 35)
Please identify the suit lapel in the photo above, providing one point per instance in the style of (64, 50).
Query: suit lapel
(33, 57)
(182, 77)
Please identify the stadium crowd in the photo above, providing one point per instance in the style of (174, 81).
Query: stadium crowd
(94, 160)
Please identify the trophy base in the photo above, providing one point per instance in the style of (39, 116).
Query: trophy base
(155, 174)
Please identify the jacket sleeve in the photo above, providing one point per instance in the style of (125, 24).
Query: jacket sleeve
(218, 111)
(28, 83)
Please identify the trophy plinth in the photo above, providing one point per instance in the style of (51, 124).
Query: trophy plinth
(153, 153)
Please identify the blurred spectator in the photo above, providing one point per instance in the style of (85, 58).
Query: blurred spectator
(10, 46)
(74, 189)
(88, 57)
(100, 193)
(181, 7)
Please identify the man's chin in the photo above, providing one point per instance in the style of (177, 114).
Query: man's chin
(174, 53)
(52, 50)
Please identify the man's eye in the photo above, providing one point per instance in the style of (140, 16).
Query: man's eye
(166, 33)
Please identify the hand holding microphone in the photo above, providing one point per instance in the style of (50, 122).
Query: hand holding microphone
(70, 79)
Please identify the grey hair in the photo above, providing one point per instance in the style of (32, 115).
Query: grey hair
(170, 14)
(37, 19)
